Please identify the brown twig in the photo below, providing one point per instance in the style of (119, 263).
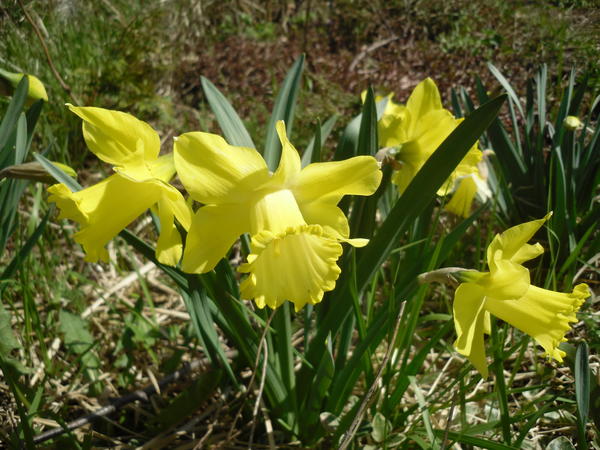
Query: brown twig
(38, 33)
(367, 399)
(140, 394)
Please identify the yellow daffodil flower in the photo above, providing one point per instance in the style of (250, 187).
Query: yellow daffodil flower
(417, 130)
(140, 182)
(36, 87)
(506, 292)
(291, 214)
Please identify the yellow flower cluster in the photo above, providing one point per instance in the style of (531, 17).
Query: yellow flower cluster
(291, 215)
(416, 130)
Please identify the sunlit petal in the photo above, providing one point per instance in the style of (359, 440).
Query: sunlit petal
(544, 315)
(470, 323)
(213, 231)
(116, 137)
(103, 210)
(289, 164)
(508, 244)
(213, 171)
(330, 181)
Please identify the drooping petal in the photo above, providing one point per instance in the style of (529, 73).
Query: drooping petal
(462, 199)
(471, 323)
(104, 209)
(213, 231)
(214, 172)
(289, 164)
(508, 244)
(298, 265)
(116, 137)
(544, 315)
(330, 181)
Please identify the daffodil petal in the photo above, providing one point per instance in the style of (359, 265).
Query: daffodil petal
(330, 181)
(329, 216)
(289, 164)
(470, 324)
(390, 128)
(168, 246)
(116, 137)
(508, 244)
(298, 265)
(103, 210)
(544, 315)
(163, 167)
(213, 231)
(423, 99)
(213, 171)
(506, 281)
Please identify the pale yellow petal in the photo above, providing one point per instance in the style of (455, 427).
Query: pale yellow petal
(274, 211)
(214, 172)
(168, 246)
(329, 216)
(462, 199)
(423, 99)
(213, 231)
(330, 181)
(506, 281)
(471, 323)
(544, 315)
(508, 244)
(289, 164)
(103, 210)
(116, 137)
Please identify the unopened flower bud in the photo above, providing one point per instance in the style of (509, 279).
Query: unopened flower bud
(572, 123)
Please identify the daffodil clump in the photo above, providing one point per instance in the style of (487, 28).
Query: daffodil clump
(507, 293)
(296, 228)
(414, 131)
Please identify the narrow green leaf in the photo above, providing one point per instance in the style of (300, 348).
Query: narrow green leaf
(58, 174)
(507, 87)
(21, 139)
(233, 128)
(196, 300)
(18, 259)
(13, 112)
(311, 154)
(285, 104)
(582, 382)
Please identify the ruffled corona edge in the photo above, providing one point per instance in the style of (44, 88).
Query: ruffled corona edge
(543, 314)
(298, 265)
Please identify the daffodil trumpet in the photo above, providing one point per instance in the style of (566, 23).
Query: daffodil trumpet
(506, 292)
(140, 183)
(291, 214)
